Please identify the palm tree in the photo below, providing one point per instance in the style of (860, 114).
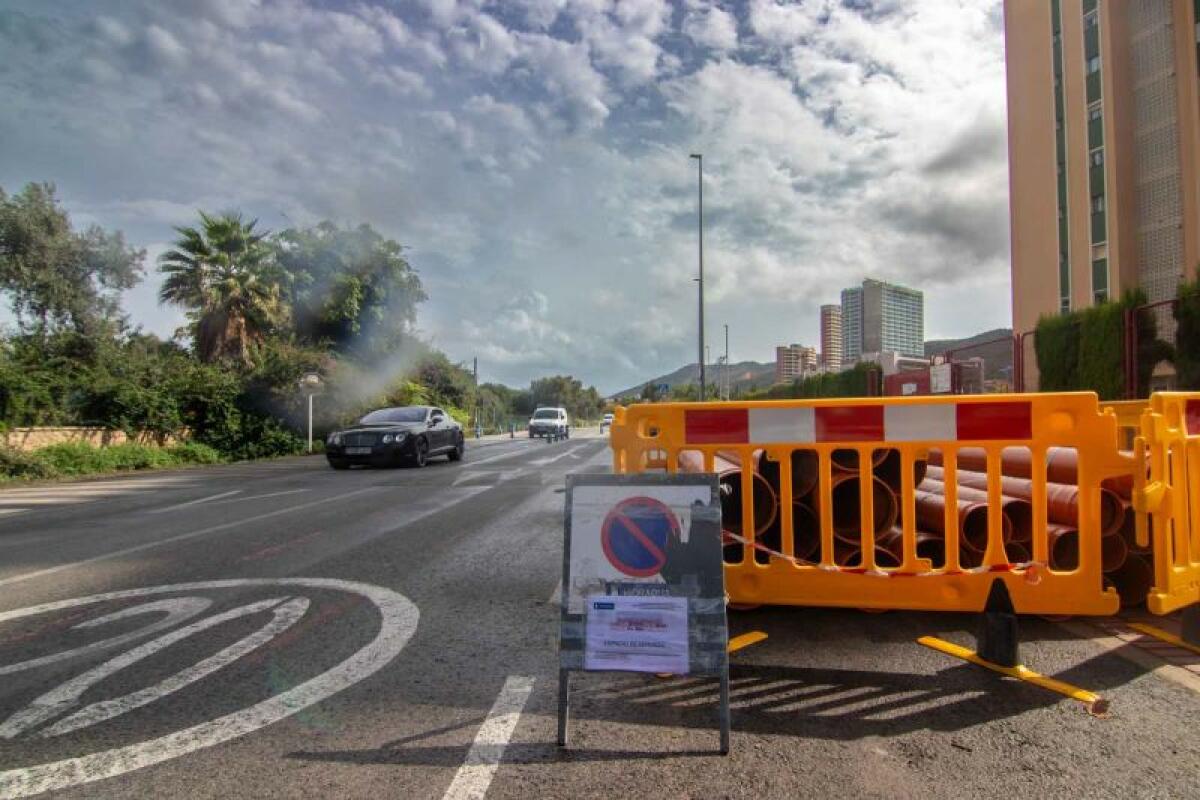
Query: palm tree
(219, 273)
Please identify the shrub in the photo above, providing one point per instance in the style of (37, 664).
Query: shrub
(23, 465)
(1056, 345)
(194, 453)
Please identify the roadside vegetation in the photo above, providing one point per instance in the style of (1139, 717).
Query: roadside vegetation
(262, 310)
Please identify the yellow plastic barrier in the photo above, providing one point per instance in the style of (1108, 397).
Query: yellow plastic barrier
(1168, 503)
(653, 436)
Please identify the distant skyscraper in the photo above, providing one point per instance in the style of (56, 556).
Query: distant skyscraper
(852, 321)
(831, 336)
(882, 317)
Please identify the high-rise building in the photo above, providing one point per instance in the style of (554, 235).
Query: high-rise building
(880, 317)
(1104, 151)
(852, 332)
(794, 361)
(831, 337)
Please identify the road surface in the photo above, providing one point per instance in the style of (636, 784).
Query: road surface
(281, 629)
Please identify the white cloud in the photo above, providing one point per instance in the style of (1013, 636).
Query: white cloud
(712, 27)
(533, 156)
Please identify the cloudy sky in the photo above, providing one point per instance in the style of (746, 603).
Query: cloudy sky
(533, 155)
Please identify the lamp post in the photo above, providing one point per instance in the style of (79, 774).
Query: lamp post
(700, 280)
(725, 369)
(309, 385)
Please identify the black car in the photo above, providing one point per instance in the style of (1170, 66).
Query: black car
(391, 435)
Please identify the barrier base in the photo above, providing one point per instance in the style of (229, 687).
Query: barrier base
(1164, 636)
(997, 635)
(1190, 625)
(1095, 704)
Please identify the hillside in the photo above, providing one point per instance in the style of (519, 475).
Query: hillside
(742, 375)
(996, 355)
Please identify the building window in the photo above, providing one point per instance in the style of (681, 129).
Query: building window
(1095, 111)
(1091, 19)
(1097, 157)
(1093, 64)
(1098, 204)
(1064, 305)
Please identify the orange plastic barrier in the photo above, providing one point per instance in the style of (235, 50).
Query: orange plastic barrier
(652, 436)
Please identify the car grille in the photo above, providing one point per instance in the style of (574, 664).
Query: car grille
(359, 439)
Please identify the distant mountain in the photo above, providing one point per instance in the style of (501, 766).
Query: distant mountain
(996, 355)
(742, 375)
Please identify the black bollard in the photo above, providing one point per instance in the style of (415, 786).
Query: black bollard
(997, 636)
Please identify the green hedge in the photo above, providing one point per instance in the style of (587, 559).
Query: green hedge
(74, 459)
(1056, 344)
(1085, 350)
(1187, 335)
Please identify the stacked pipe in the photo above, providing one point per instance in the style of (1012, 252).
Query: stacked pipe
(1126, 567)
(846, 489)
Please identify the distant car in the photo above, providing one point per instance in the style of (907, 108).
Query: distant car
(549, 423)
(606, 421)
(390, 436)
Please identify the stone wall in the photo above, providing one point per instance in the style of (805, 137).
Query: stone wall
(35, 438)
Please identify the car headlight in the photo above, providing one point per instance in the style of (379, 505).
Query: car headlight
(387, 438)
(335, 438)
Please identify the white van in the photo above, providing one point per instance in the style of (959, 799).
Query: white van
(549, 423)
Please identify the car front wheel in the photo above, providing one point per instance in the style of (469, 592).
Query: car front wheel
(338, 463)
(420, 453)
(457, 453)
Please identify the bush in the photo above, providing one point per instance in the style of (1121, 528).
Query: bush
(26, 466)
(1056, 345)
(194, 453)
(1187, 335)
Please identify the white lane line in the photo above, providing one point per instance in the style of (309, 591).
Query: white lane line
(541, 462)
(483, 759)
(516, 451)
(10, 511)
(196, 502)
(262, 496)
(181, 537)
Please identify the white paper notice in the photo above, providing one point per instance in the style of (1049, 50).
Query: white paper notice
(637, 634)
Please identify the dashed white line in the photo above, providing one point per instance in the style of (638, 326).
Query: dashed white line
(473, 778)
(181, 537)
(196, 502)
(262, 496)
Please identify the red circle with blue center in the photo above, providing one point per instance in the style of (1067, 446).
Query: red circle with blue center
(635, 535)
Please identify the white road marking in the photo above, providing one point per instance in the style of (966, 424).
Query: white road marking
(541, 462)
(261, 496)
(6, 511)
(195, 502)
(284, 616)
(181, 537)
(398, 621)
(483, 759)
(179, 609)
(509, 453)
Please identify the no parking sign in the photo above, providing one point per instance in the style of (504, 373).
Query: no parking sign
(643, 583)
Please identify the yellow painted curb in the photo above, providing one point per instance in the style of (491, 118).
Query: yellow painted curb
(1096, 705)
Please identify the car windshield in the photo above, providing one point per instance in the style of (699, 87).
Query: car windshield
(546, 413)
(394, 415)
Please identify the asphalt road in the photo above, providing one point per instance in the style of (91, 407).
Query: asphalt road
(280, 629)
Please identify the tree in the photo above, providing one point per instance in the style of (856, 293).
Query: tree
(55, 276)
(349, 288)
(220, 273)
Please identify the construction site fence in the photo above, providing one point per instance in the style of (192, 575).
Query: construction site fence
(921, 503)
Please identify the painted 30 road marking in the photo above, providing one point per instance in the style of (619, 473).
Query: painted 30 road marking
(398, 621)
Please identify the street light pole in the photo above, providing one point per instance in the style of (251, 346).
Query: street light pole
(725, 370)
(700, 280)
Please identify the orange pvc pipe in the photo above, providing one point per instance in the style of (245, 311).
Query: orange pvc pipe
(1062, 501)
(847, 521)
(1062, 466)
(1018, 513)
(1133, 580)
